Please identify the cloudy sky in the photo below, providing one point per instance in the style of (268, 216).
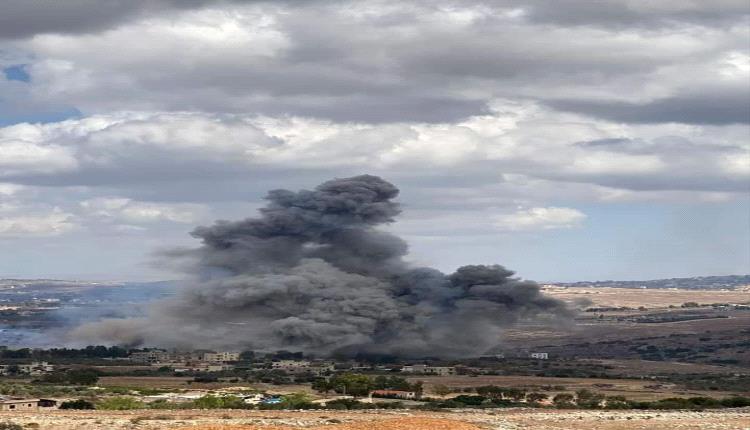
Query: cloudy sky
(567, 140)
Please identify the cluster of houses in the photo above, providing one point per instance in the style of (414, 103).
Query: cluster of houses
(423, 369)
(294, 367)
(34, 368)
(212, 361)
(192, 361)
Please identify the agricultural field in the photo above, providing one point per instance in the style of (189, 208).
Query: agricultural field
(634, 389)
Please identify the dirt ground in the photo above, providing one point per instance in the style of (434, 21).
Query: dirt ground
(650, 298)
(505, 419)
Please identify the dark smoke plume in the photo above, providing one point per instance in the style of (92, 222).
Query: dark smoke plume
(314, 274)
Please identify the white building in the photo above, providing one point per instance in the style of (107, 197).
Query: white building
(203, 367)
(424, 369)
(150, 356)
(34, 368)
(220, 357)
(290, 364)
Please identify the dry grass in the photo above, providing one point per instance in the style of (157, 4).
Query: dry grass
(650, 298)
(412, 423)
(631, 388)
(527, 419)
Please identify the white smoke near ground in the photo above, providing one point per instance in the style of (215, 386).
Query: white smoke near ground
(314, 274)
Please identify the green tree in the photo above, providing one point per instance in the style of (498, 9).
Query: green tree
(492, 392)
(588, 399)
(563, 400)
(536, 397)
(296, 401)
(77, 404)
(82, 376)
(322, 385)
(616, 402)
(216, 402)
(120, 404)
(441, 390)
(516, 394)
(352, 384)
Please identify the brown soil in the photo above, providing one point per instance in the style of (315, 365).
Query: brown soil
(390, 424)
(499, 419)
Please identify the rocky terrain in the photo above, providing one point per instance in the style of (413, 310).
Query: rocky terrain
(510, 419)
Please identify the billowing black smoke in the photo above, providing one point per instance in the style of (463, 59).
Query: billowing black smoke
(314, 274)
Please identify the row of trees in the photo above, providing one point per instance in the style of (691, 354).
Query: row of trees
(91, 351)
(360, 385)
(71, 377)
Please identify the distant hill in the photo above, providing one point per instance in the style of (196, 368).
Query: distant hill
(726, 282)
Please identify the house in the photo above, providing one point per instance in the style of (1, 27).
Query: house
(441, 370)
(34, 369)
(26, 404)
(394, 394)
(203, 367)
(539, 355)
(150, 356)
(424, 369)
(292, 366)
(220, 357)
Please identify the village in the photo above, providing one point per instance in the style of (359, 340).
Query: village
(223, 368)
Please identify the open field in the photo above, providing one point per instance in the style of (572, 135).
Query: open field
(641, 390)
(174, 382)
(516, 419)
(649, 298)
(634, 389)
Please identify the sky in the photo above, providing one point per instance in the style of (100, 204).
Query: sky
(567, 140)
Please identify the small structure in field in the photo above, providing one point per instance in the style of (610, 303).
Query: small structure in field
(7, 404)
(394, 394)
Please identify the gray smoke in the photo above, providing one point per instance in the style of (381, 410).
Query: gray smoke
(314, 274)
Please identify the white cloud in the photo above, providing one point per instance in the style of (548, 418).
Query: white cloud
(20, 157)
(7, 189)
(517, 138)
(38, 225)
(129, 211)
(540, 218)
(387, 61)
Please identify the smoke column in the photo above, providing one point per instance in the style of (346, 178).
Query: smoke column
(313, 273)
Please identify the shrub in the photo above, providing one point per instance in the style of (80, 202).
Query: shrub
(120, 404)
(216, 402)
(563, 400)
(7, 425)
(77, 404)
(465, 400)
(72, 377)
(735, 402)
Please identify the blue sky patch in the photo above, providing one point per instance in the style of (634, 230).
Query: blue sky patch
(17, 73)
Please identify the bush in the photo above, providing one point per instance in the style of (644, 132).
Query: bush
(735, 402)
(216, 402)
(72, 377)
(7, 425)
(120, 404)
(77, 404)
(469, 400)
(563, 400)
